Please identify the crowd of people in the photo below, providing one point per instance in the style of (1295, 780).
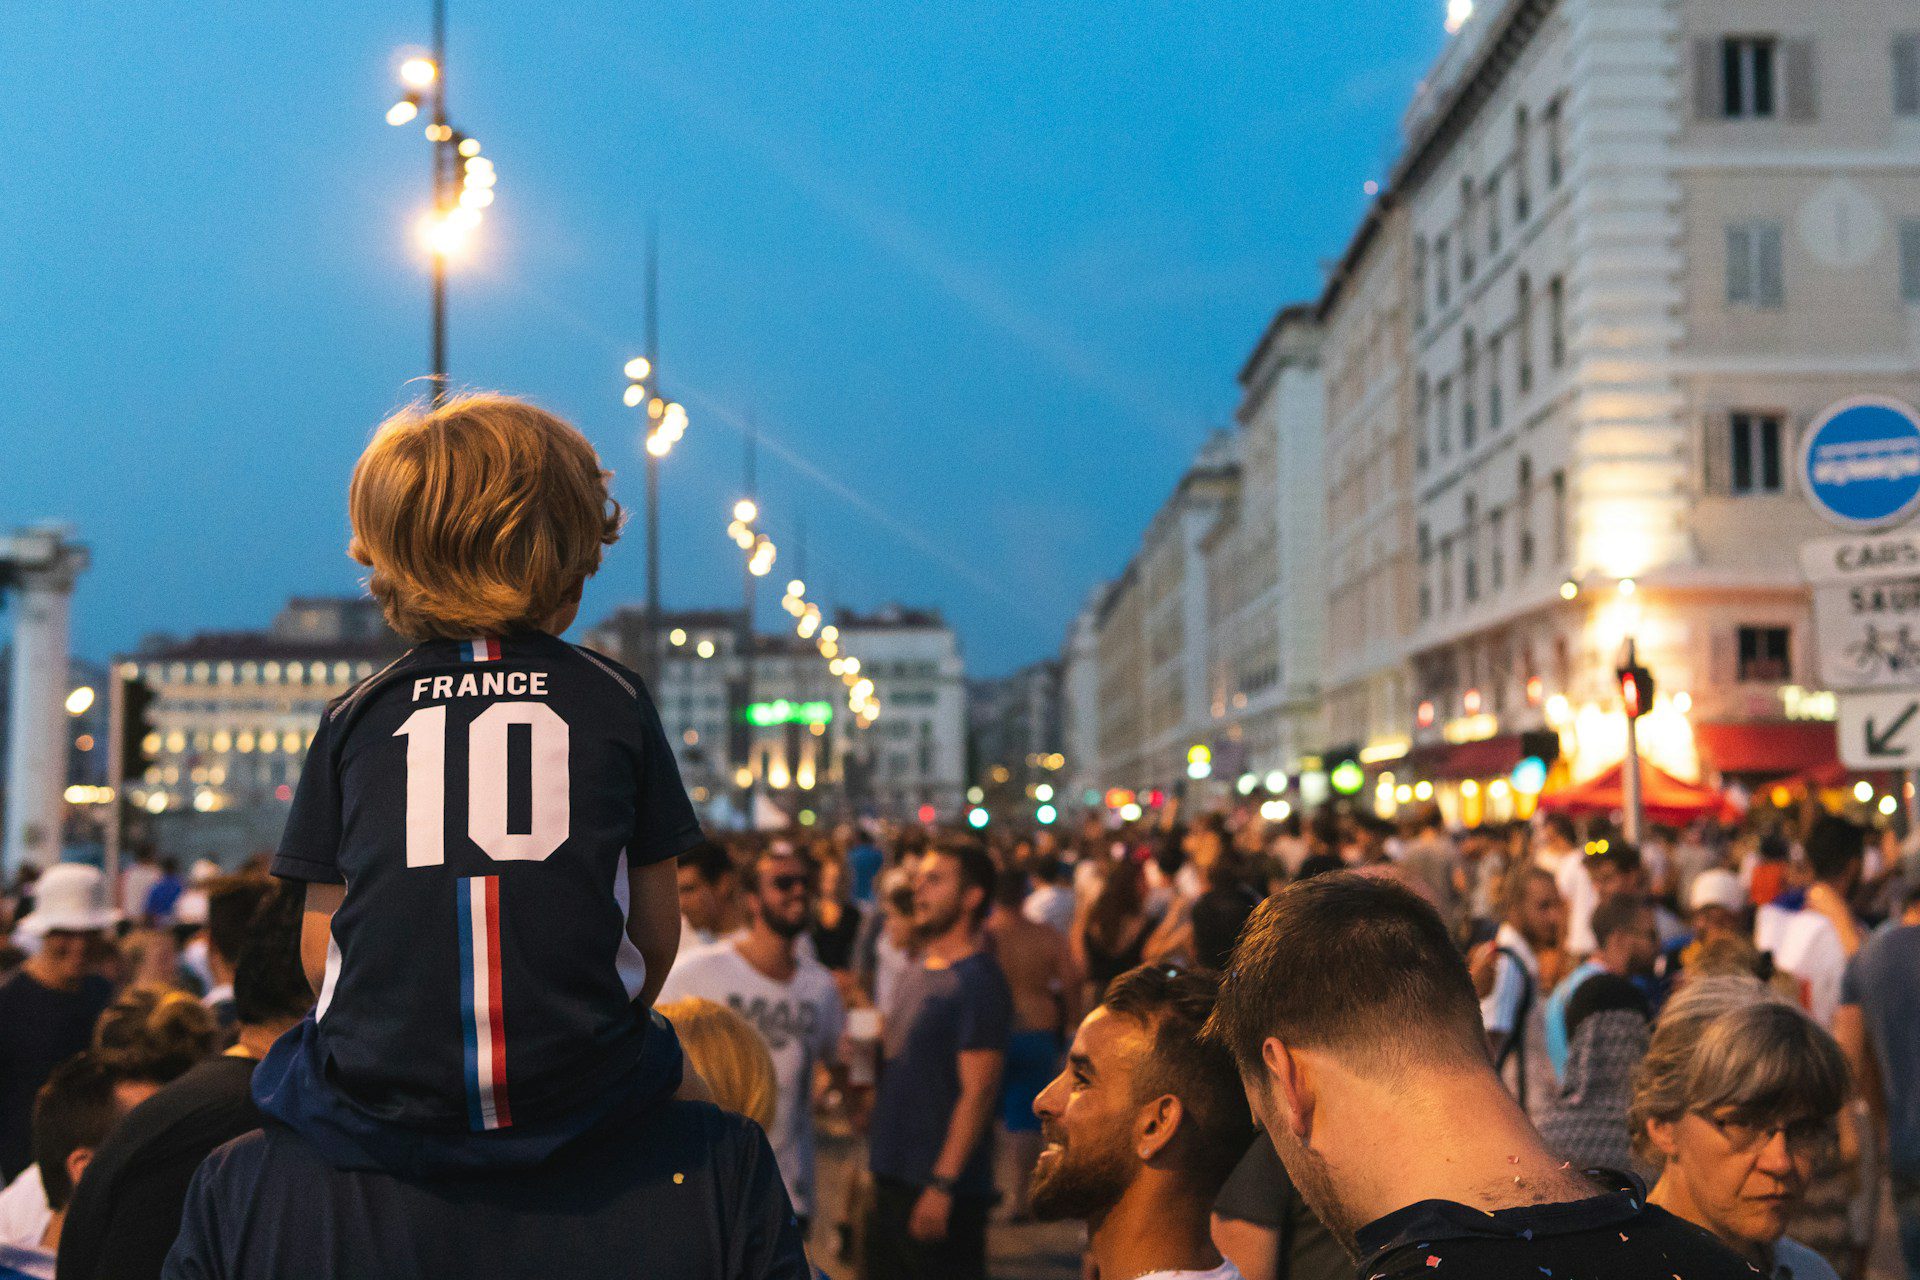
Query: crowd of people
(498, 1005)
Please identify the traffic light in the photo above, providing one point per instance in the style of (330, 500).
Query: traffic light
(139, 739)
(1636, 688)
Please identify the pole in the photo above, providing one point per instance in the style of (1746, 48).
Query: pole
(442, 150)
(743, 646)
(116, 778)
(1630, 768)
(651, 635)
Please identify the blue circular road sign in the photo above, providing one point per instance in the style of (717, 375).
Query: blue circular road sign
(1860, 462)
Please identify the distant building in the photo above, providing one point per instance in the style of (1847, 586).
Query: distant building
(233, 714)
(806, 751)
(1017, 729)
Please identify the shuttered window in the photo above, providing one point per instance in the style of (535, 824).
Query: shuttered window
(1755, 274)
(1906, 74)
(1754, 452)
(1747, 77)
(1910, 261)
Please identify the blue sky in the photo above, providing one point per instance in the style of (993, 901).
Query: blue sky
(982, 273)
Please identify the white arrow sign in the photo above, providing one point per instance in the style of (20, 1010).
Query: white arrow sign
(1861, 557)
(1880, 730)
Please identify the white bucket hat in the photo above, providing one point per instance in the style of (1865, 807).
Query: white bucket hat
(69, 898)
(1716, 887)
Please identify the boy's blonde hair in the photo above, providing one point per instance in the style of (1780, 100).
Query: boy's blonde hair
(481, 517)
(729, 1054)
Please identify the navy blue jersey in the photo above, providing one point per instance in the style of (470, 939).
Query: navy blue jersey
(483, 801)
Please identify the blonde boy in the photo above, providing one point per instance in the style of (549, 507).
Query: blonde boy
(486, 829)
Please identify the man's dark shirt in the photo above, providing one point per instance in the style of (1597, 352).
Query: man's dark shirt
(680, 1190)
(39, 1029)
(1260, 1192)
(1616, 1234)
(936, 1015)
(126, 1211)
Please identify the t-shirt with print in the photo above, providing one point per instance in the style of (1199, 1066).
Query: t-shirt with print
(936, 1015)
(800, 1019)
(1612, 1235)
(483, 801)
(1881, 981)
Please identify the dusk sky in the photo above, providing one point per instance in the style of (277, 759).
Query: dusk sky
(981, 273)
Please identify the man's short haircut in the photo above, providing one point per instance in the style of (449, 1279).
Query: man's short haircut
(269, 985)
(1354, 965)
(154, 1034)
(232, 902)
(74, 1109)
(1833, 845)
(1621, 856)
(1174, 1004)
(709, 860)
(1733, 1045)
(1521, 879)
(1618, 914)
(481, 516)
(977, 870)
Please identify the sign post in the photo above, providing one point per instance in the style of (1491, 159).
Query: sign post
(1860, 470)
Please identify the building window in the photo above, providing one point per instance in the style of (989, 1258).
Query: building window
(1555, 161)
(1446, 575)
(1466, 229)
(1910, 261)
(1523, 514)
(1556, 322)
(1906, 74)
(1755, 274)
(1426, 572)
(1442, 286)
(1523, 332)
(1522, 206)
(1422, 409)
(1420, 280)
(1471, 554)
(1495, 375)
(1755, 440)
(1497, 551)
(1469, 408)
(1747, 75)
(1443, 414)
(1559, 485)
(1765, 654)
(1493, 215)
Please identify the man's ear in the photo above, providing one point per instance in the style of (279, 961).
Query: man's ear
(1155, 1124)
(1291, 1085)
(77, 1161)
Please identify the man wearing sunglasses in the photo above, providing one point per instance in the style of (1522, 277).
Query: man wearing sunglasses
(789, 996)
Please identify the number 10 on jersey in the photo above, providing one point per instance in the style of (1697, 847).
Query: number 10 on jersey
(487, 783)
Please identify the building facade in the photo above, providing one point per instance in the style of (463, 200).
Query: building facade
(1629, 251)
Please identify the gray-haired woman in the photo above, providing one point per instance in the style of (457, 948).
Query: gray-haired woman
(1735, 1103)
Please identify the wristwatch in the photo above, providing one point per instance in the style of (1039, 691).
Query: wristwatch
(943, 1185)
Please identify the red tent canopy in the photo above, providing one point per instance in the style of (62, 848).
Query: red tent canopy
(1663, 798)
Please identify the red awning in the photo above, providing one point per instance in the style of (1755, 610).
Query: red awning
(1663, 798)
(1488, 758)
(1768, 750)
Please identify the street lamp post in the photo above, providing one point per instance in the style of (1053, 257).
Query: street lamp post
(666, 423)
(457, 204)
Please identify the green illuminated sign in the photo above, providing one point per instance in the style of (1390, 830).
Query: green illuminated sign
(780, 711)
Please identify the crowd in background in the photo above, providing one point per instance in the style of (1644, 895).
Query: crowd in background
(1732, 1015)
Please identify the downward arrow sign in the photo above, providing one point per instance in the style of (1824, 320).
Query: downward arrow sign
(1881, 744)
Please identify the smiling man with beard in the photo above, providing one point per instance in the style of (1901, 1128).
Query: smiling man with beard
(1355, 1029)
(1143, 1127)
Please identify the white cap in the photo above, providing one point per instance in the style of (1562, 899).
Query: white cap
(69, 898)
(1716, 887)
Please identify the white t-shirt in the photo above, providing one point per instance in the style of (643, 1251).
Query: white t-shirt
(800, 1019)
(24, 1214)
(1050, 904)
(1225, 1271)
(1805, 945)
(1576, 890)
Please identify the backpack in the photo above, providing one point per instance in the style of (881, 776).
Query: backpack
(1517, 1038)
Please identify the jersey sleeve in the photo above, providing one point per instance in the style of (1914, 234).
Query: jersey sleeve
(665, 825)
(310, 845)
(986, 1014)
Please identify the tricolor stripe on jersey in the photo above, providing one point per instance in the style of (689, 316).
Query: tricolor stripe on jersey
(482, 650)
(481, 1019)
